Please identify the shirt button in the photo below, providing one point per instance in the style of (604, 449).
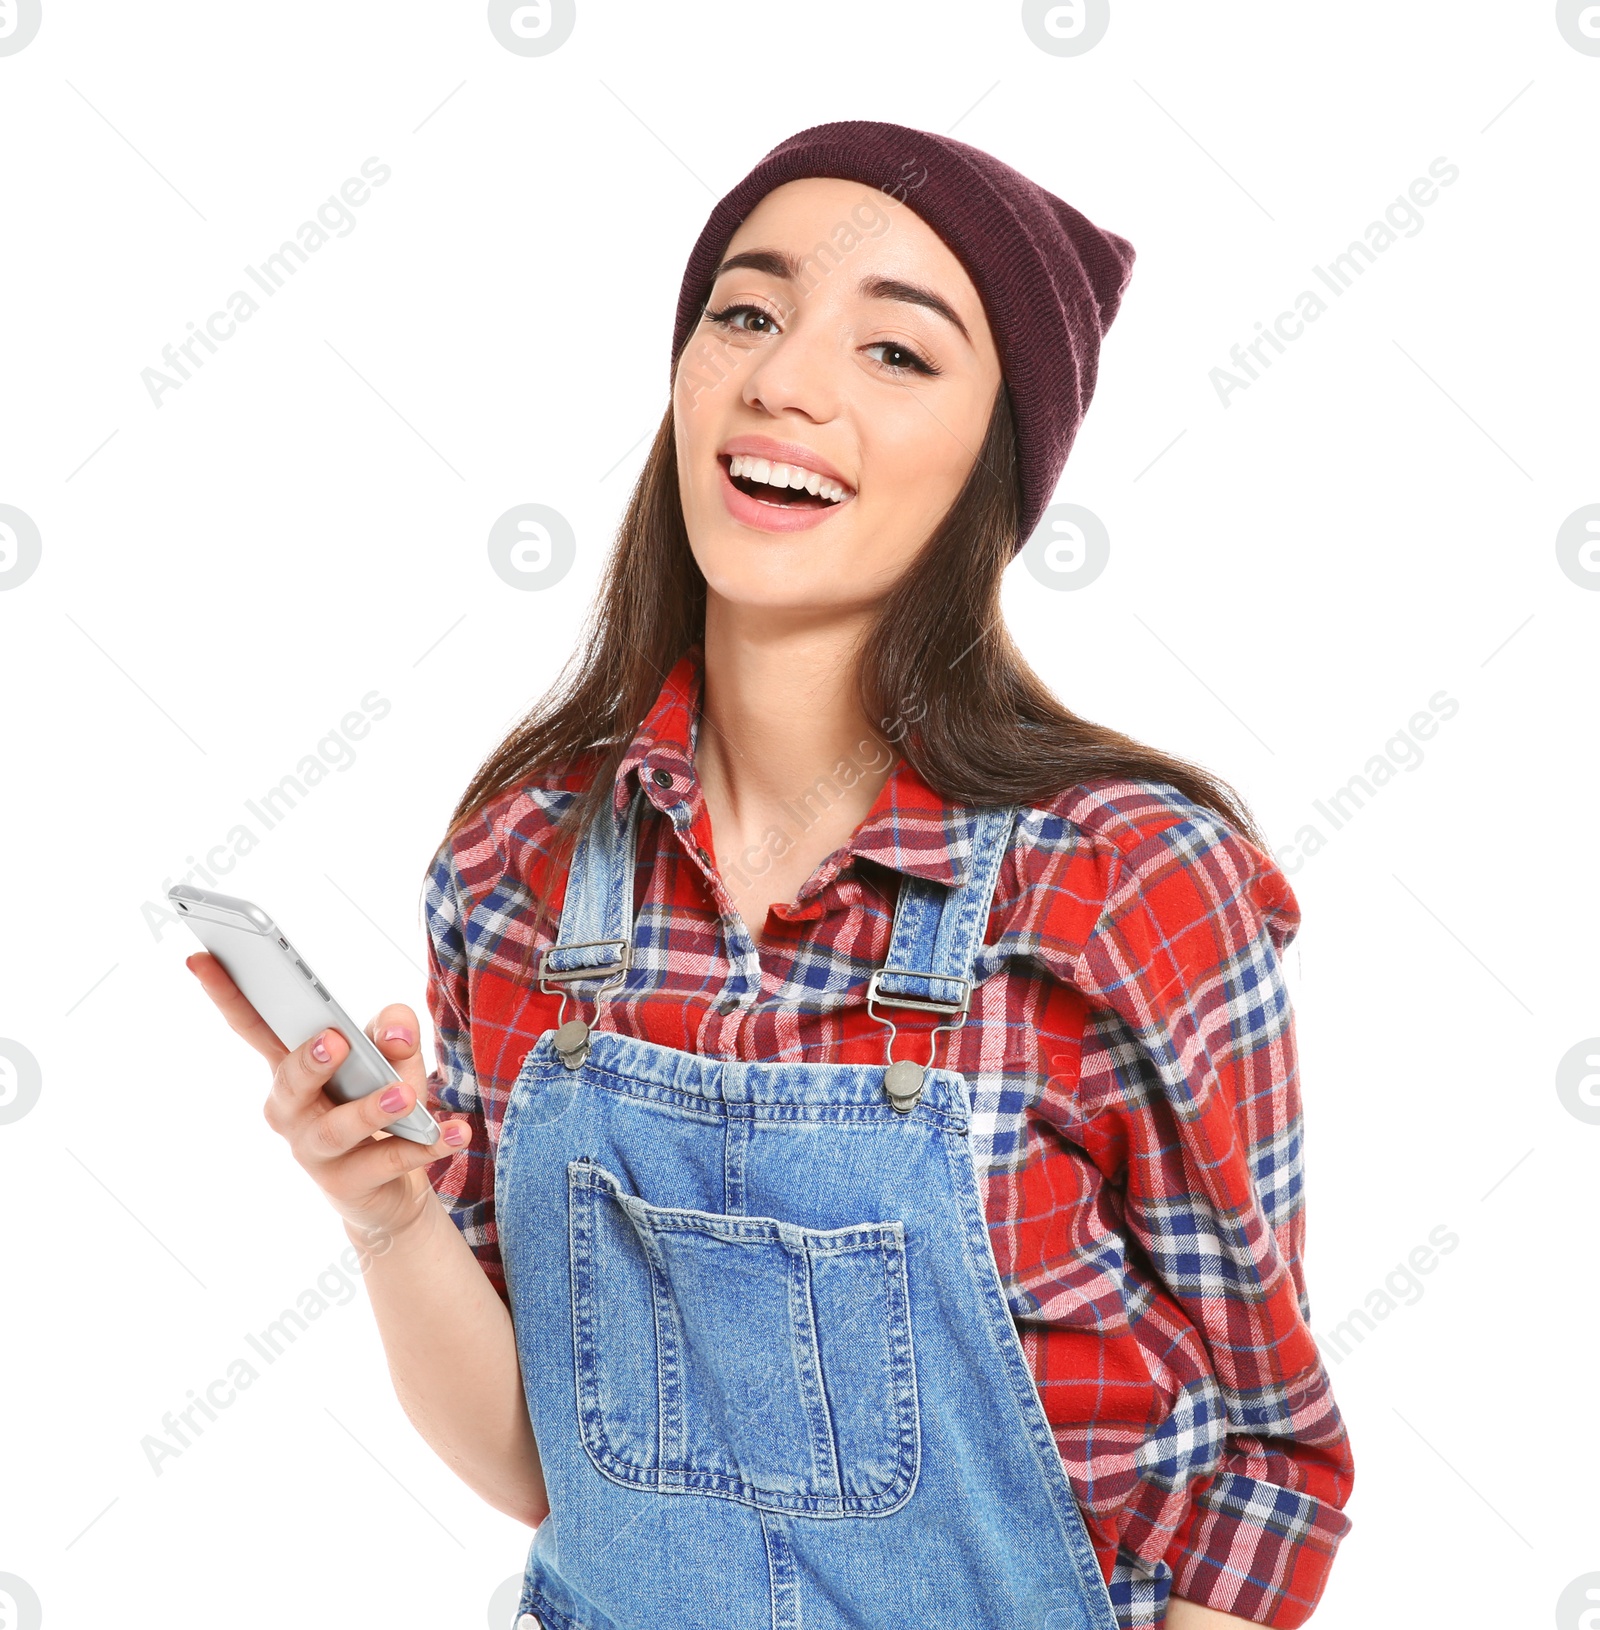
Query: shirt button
(528, 1622)
(704, 857)
(662, 778)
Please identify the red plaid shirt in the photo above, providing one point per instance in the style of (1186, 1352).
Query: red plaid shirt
(1136, 1126)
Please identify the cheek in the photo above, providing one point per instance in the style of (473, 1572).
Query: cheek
(693, 445)
(697, 432)
(686, 430)
(916, 474)
(706, 387)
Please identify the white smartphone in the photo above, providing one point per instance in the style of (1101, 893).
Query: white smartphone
(279, 984)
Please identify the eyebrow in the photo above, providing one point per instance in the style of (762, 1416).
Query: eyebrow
(780, 263)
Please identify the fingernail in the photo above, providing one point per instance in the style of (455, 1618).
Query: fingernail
(319, 1049)
(455, 1133)
(397, 1032)
(392, 1099)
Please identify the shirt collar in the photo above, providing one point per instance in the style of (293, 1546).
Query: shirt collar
(909, 828)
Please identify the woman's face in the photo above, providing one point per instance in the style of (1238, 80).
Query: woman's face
(844, 340)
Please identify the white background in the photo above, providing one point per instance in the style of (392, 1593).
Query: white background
(304, 522)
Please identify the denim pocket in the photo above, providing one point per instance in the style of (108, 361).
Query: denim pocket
(742, 1356)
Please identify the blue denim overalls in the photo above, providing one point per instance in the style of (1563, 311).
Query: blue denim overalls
(767, 1357)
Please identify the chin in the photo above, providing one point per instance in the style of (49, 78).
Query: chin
(818, 571)
(784, 583)
(782, 589)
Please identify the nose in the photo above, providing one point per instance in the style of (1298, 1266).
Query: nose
(798, 371)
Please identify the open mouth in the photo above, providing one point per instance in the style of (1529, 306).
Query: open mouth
(784, 486)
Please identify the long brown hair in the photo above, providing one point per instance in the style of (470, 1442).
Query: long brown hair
(938, 672)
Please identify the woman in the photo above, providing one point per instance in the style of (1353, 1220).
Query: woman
(876, 1182)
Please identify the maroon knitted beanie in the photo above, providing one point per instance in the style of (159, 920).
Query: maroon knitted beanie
(1050, 279)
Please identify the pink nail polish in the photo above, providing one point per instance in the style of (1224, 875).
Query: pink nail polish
(392, 1099)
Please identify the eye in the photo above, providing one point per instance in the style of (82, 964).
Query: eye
(908, 361)
(724, 318)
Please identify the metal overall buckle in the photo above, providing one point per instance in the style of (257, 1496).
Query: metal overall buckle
(904, 1080)
(571, 1040)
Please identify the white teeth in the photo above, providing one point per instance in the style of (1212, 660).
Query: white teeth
(785, 475)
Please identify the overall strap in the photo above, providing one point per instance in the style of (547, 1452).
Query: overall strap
(595, 939)
(935, 941)
(937, 933)
(938, 930)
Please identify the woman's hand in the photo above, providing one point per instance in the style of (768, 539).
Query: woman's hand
(374, 1180)
(1182, 1615)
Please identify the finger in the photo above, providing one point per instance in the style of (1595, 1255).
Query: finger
(397, 1035)
(234, 1006)
(346, 1127)
(370, 1164)
(297, 1083)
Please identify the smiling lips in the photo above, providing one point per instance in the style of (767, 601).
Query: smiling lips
(791, 477)
(778, 496)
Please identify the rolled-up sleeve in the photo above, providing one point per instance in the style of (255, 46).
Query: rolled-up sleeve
(465, 1182)
(1192, 1106)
